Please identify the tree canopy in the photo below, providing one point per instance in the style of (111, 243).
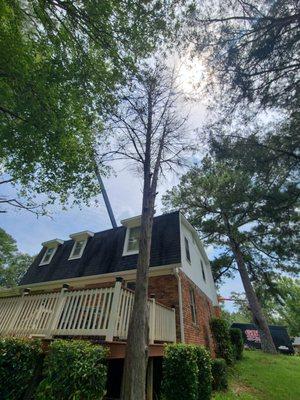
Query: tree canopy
(252, 48)
(282, 309)
(60, 62)
(13, 264)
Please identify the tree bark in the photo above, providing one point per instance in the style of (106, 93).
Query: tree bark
(136, 358)
(259, 319)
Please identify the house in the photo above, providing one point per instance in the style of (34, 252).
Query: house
(83, 287)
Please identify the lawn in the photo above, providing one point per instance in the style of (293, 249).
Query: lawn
(263, 377)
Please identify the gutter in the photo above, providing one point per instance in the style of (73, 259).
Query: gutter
(176, 272)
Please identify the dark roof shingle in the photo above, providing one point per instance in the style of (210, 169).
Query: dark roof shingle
(103, 253)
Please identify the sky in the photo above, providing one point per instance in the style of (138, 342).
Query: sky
(124, 189)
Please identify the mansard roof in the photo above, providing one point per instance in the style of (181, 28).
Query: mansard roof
(104, 253)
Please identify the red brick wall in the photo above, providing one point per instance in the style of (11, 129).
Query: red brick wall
(199, 332)
(165, 289)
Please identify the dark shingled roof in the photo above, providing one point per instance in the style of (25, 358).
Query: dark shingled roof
(103, 253)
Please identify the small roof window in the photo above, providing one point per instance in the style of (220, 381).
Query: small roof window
(80, 241)
(51, 247)
(132, 238)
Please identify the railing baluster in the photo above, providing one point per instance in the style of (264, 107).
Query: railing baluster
(103, 312)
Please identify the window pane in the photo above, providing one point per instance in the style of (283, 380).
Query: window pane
(187, 249)
(134, 236)
(203, 271)
(78, 247)
(193, 305)
(48, 255)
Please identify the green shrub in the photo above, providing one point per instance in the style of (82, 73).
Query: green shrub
(219, 374)
(180, 372)
(187, 373)
(74, 370)
(19, 359)
(237, 342)
(204, 373)
(221, 335)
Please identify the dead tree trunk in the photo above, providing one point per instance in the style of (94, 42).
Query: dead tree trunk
(135, 366)
(151, 133)
(259, 319)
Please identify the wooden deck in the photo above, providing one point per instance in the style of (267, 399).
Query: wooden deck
(103, 313)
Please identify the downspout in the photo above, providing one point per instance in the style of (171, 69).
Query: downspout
(180, 305)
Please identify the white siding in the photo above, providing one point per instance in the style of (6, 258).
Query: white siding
(193, 269)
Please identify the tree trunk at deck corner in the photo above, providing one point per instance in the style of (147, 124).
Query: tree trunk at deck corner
(259, 319)
(135, 365)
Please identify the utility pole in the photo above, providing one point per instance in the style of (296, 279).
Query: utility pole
(105, 197)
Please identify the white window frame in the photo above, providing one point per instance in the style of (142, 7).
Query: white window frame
(127, 252)
(193, 305)
(75, 257)
(43, 262)
(203, 267)
(187, 250)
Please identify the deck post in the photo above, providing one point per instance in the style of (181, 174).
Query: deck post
(57, 311)
(152, 319)
(174, 325)
(149, 383)
(114, 311)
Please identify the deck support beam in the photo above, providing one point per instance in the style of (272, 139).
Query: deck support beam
(149, 383)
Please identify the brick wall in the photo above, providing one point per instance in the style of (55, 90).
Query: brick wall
(196, 332)
(165, 289)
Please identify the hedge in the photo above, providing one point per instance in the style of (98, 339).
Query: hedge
(73, 370)
(19, 362)
(180, 372)
(219, 374)
(237, 342)
(204, 373)
(186, 373)
(221, 335)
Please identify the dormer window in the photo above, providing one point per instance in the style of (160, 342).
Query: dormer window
(48, 256)
(132, 241)
(132, 238)
(51, 247)
(78, 249)
(80, 241)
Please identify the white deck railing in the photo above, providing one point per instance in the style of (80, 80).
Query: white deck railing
(90, 312)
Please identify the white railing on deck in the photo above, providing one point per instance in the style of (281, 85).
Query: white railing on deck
(92, 312)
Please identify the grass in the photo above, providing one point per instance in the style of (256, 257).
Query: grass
(261, 376)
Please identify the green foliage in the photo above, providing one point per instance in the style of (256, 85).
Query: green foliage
(219, 374)
(280, 304)
(74, 370)
(221, 335)
(13, 264)
(186, 373)
(18, 360)
(237, 342)
(61, 64)
(252, 48)
(204, 373)
(180, 373)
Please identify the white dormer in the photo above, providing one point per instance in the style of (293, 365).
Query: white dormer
(80, 241)
(51, 247)
(131, 243)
